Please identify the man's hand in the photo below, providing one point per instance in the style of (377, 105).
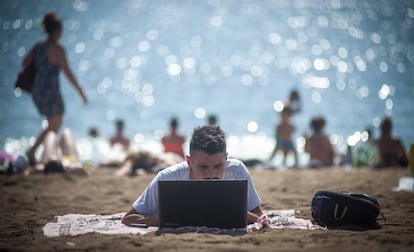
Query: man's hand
(253, 215)
(132, 217)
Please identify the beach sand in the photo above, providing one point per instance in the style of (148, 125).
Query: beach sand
(28, 203)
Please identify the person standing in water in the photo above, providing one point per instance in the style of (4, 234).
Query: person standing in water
(49, 58)
(294, 102)
(285, 129)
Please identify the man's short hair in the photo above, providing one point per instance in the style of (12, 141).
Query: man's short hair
(208, 139)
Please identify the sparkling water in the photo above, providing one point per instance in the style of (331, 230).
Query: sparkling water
(146, 61)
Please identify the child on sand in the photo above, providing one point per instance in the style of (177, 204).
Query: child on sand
(284, 131)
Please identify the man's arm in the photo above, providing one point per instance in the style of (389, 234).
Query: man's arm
(132, 217)
(254, 214)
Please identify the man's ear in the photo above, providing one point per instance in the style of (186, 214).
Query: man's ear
(188, 158)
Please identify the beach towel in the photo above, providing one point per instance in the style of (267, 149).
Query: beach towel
(282, 219)
(78, 224)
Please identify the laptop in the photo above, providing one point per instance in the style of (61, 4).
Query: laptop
(210, 203)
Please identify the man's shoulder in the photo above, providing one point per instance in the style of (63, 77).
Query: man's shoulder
(235, 169)
(177, 170)
(233, 162)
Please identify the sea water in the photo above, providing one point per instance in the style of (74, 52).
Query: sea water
(146, 61)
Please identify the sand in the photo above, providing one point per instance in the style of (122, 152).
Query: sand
(28, 203)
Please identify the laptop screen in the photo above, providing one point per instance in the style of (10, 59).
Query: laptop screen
(209, 203)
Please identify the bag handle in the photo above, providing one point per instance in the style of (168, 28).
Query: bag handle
(342, 214)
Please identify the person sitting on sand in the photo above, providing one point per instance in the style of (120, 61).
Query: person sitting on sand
(173, 142)
(119, 137)
(58, 156)
(284, 131)
(318, 145)
(366, 153)
(207, 160)
(96, 150)
(391, 149)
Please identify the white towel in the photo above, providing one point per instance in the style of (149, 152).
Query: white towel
(77, 224)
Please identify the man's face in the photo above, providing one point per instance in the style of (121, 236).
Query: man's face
(205, 166)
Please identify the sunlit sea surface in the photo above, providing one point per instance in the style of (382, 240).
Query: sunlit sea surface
(146, 61)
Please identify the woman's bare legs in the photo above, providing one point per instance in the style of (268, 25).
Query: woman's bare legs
(51, 149)
(54, 124)
(68, 145)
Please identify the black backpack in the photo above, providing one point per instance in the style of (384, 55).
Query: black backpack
(332, 208)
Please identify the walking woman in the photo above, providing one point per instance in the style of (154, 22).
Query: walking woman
(49, 57)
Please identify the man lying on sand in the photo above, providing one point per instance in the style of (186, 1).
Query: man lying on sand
(207, 160)
(139, 162)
